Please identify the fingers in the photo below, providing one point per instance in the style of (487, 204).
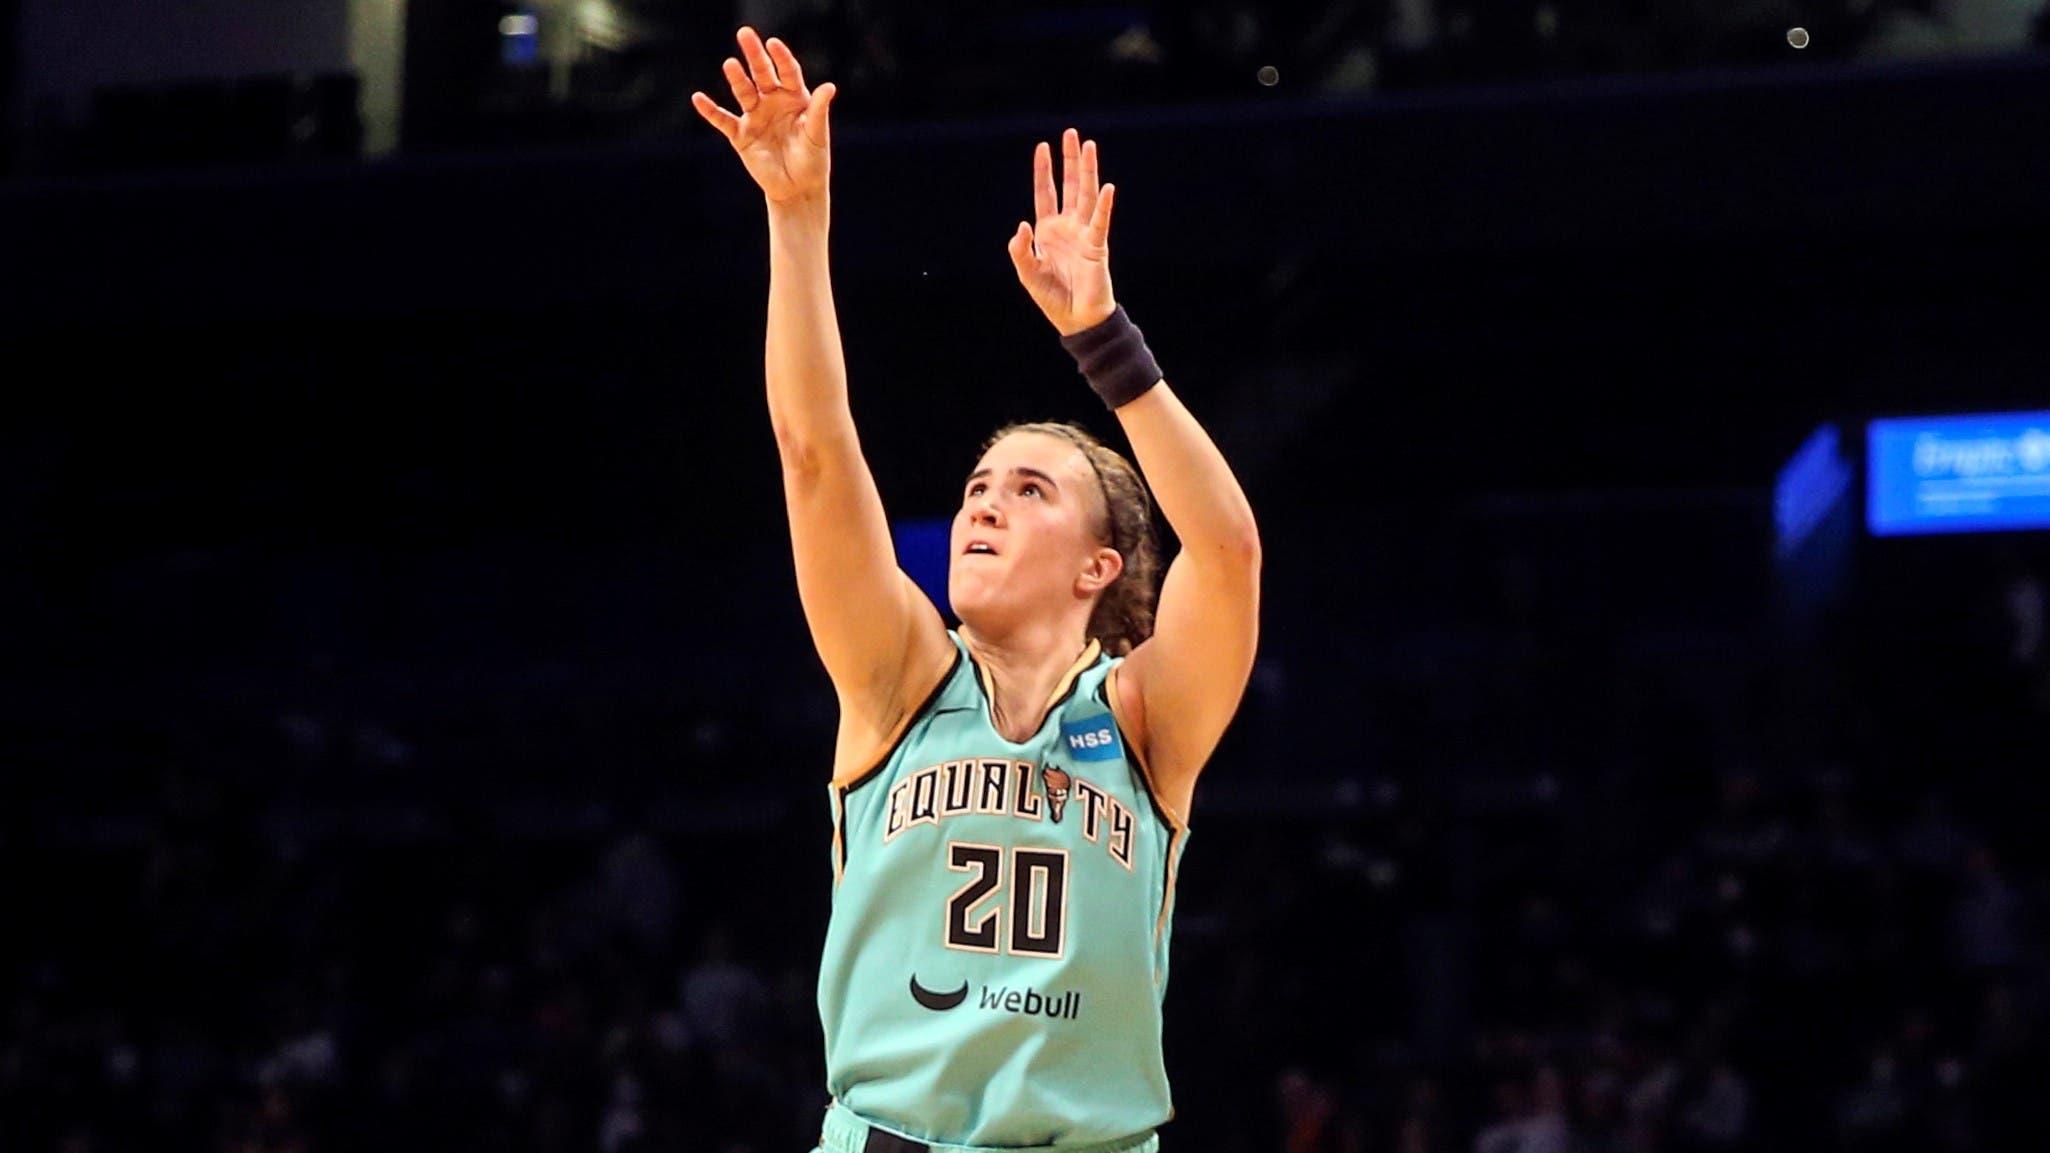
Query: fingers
(726, 122)
(788, 74)
(758, 64)
(768, 67)
(1079, 175)
(816, 128)
(744, 92)
(1099, 220)
(1020, 248)
(1071, 168)
(1085, 195)
(1043, 205)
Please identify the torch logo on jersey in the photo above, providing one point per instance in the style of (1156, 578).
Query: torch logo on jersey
(1056, 782)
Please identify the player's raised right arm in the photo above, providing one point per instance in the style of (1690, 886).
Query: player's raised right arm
(871, 624)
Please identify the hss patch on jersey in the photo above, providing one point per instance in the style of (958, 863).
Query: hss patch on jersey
(1092, 739)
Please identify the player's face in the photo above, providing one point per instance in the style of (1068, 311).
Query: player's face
(1033, 501)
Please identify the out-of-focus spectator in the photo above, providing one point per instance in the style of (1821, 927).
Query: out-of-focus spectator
(1718, 1116)
(641, 888)
(1421, 1128)
(1532, 1118)
(724, 1001)
(1986, 918)
(1312, 1119)
(2026, 615)
(1874, 1114)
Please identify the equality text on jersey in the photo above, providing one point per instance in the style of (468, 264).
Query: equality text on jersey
(1002, 787)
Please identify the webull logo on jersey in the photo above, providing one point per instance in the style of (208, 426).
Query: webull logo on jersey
(1031, 1003)
(1092, 739)
(1002, 999)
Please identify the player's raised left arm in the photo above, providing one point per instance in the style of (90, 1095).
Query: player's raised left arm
(1188, 678)
(1181, 687)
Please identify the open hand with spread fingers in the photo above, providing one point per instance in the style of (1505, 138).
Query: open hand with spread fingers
(781, 133)
(1063, 257)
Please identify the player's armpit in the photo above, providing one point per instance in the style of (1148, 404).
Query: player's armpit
(869, 731)
(1184, 683)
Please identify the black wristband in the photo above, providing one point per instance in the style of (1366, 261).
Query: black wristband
(1114, 359)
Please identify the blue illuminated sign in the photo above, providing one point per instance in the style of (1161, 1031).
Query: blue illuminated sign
(519, 39)
(922, 554)
(1982, 473)
(1809, 487)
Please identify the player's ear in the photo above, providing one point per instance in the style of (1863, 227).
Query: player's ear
(1104, 568)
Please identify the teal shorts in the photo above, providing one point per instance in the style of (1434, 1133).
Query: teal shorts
(846, 1132)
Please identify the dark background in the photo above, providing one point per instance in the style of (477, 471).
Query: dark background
(411, 738)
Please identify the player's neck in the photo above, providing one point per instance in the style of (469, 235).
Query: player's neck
(1025, 665)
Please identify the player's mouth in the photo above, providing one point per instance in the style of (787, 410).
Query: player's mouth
(979, 548)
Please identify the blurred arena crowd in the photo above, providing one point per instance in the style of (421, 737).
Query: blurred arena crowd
(1013, 56)
(495, 926)
(628, 67)
(519, 73)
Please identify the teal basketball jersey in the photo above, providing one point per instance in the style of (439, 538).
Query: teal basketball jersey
(996, 959)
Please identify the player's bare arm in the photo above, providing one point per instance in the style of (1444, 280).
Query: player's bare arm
(874, 629)
(1180, 688)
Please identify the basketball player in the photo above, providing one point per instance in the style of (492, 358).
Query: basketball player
(1010, 798)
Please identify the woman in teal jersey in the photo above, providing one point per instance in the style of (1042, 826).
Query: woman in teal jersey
(1074, 706)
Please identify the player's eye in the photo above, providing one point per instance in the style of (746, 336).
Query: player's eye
(1031, 487)
(975, 489)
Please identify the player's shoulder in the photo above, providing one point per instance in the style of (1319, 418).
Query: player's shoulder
(870, 732)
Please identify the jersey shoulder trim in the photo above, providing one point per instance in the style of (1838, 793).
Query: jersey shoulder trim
(838, 790)
(1177, 824)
